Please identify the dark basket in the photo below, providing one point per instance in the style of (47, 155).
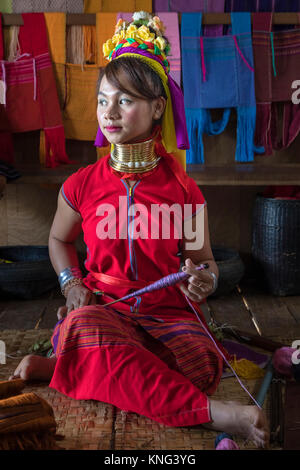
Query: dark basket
(276, 243)
(30, 275)
(231, 269)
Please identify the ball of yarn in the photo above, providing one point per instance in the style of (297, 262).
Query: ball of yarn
(282, 361)
(224, 441)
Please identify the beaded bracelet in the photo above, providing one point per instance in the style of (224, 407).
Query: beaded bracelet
(69, 277)
(71, 283)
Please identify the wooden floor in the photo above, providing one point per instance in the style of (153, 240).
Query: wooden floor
(278, 317)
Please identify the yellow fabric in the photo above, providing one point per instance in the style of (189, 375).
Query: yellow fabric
(94, 6)
(80, 112)
(246, 369)
(89, 36)
(56, 28)
(168, 128)
(76, 86)
(105, 28)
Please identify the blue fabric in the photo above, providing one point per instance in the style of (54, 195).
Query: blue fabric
(226, 82)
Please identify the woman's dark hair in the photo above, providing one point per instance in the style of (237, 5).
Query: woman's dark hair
(142, 78)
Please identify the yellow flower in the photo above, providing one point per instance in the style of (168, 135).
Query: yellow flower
(131, 30)
(108, 46)
(144, 33)
(118, 36)
(160, 42)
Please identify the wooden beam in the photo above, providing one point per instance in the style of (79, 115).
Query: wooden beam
(13, 19)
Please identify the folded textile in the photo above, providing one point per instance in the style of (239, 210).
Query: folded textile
(38, 6)
(26, 422)
(276, 59)
(218, 73)
(10, 388)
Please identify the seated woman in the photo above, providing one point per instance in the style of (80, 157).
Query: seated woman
(149, 354)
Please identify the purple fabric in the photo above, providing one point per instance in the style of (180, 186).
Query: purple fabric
(56, 336)
(262, 5)
(177, 104)
(244, 352)
(204, 6)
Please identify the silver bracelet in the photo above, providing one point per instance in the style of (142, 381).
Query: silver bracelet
(68, 274)
(215, 286)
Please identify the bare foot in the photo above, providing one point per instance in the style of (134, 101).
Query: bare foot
(246, 421)
(35, 368)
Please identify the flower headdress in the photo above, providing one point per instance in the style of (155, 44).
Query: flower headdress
(144, 38)
(144, 33)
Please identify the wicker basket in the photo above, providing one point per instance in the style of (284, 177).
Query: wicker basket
(276, 243)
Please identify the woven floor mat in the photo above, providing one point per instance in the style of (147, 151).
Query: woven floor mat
(91, 425)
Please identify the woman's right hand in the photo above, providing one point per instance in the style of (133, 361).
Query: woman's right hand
(77, 297)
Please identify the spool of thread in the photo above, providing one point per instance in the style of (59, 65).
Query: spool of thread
(283, 364)
(225, 441)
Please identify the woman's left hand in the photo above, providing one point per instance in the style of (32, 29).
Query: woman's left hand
(200, 283)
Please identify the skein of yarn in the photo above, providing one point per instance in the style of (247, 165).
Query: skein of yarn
(283, 363)
(225, 441)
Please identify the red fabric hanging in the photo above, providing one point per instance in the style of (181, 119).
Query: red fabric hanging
(6, 141)
(31, 95)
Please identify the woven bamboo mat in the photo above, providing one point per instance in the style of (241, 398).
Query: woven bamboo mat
(91, 425)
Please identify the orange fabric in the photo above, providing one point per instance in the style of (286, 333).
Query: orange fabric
(77, 85)
(116, 281)
(89, 37)
(94, 6)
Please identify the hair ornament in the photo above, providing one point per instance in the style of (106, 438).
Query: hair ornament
(144, 33)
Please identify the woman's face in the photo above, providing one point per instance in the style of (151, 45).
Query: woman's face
(123, 118)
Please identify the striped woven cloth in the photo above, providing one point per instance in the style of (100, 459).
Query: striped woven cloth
(183, 345)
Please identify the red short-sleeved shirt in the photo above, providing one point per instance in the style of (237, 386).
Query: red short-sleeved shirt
(124, 235)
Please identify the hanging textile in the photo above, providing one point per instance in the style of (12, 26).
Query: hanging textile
(277, 60)
(6, 141)
(218, 73)
(203, 6)
(34, 6)
(95, 6)
(170, 21)
(262, 5)
(77, 84)
(6, 6)
(30, 97)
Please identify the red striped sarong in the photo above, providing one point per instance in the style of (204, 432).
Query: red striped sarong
(158, 368)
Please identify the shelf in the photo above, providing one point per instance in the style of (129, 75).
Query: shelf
(246, 174)
(230, 175)
(10, 19)
(32, 174)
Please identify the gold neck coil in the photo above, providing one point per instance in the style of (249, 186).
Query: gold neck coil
(134, 158)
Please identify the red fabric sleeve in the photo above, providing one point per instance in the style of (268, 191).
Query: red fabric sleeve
(72, 189)
(194, 199)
